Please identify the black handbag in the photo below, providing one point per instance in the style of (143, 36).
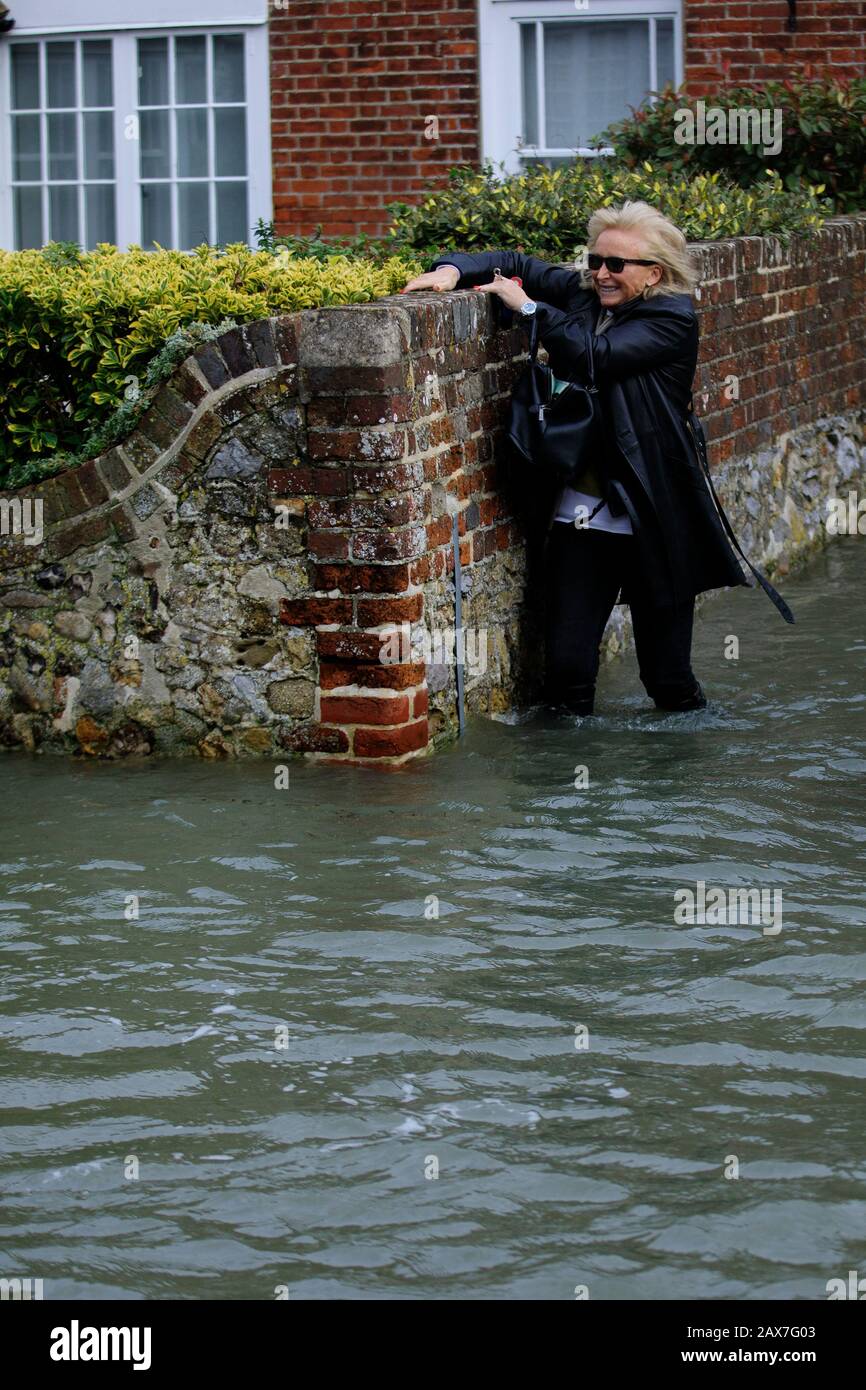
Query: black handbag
(561, 433)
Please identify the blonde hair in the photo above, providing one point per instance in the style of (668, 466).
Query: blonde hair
(663, 242)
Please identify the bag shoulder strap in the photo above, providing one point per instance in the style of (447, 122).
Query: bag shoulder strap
(697, 432)
(590, 360)
(533, 339)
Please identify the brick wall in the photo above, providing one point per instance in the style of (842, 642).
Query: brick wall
(352, 83)
(168, 611)
(790, 326)
(738, 42)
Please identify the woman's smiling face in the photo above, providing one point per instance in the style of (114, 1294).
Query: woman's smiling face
(612, 289)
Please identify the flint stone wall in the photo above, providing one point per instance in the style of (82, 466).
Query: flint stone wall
(223, 582)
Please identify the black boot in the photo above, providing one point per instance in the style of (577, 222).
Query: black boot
(672, 698)
(570, 699)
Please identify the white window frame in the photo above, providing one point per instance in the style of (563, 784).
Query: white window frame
(124, 70)
(502, 115)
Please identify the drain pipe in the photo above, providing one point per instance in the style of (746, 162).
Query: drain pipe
(451, 503)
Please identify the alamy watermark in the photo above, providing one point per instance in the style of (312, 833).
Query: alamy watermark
(739, 125)
(846, 516)
(702, 906)
(855, 1288)
(442, 646)
(77, 1343)
(20, 1290)
(22, 517)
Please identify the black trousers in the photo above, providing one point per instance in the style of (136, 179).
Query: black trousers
(584, 570)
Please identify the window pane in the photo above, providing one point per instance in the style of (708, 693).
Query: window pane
(153, 72)
(25, 76)
(228, 68)
(98, 145)
(62, 147)
(155, 214)
(232, 222)
(192, 142)
(230, 139)
(593, 71)
(530, 84)
(99, 212)
(96, 61)
(190, 71)
(60, 69)
(28, 218)
(154, 145)
(664, 53)
(77, 144)
(192, 208)
(63, 212)
(25, 148)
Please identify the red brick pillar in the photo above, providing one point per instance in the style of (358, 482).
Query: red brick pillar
(365, 514)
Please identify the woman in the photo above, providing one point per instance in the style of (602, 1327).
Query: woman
(640, 526)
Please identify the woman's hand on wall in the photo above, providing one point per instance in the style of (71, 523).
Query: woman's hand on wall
(444, 277)
(509, 291)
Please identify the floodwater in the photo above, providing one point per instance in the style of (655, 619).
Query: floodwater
(287, 1076)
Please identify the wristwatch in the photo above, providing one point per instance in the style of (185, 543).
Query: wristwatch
(529, 307)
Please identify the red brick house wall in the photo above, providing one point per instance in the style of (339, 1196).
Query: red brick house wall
(736, 42)
(354, 81)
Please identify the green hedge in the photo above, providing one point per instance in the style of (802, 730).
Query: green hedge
(823, 137)
(84, 335)
(545, 212)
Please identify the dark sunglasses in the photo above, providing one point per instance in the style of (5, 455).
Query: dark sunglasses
(615, 264)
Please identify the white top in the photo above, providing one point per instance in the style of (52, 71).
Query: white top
(575, 508)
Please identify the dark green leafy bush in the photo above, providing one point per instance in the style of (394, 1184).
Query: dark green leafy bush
(823, 125)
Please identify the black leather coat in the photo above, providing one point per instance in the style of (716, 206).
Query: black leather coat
(644, 367)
